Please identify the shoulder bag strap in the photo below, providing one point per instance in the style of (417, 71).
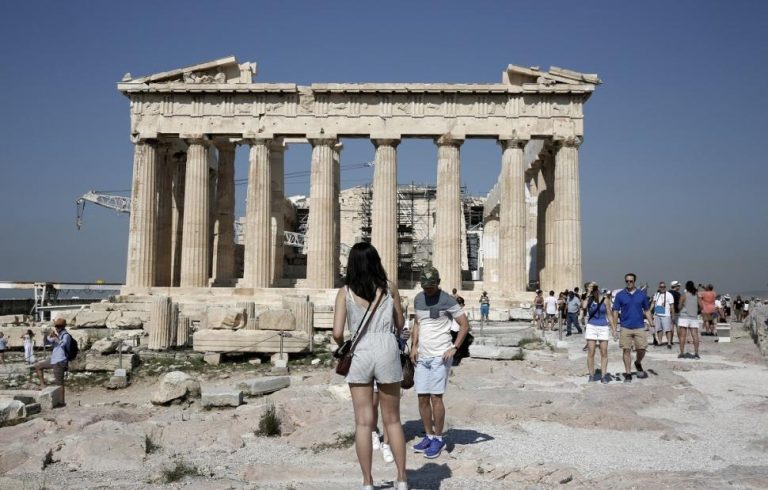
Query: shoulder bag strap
(592, 315)
(361, 332)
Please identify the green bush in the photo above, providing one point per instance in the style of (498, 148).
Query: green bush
(269, 424)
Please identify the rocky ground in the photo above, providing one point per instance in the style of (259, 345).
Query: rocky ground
(533, 423)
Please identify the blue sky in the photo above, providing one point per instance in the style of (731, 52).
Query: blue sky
(673, 167)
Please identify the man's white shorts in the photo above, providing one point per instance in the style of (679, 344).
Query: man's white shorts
(662, 323)
(430, 376)
(597, 332)
(689, 323)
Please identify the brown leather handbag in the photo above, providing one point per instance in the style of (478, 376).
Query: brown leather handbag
(345, 355)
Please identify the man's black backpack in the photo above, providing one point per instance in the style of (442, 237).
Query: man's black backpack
(73, 350)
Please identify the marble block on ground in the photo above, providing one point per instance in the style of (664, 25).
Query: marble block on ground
(214, 396)
(263, 386)
(496, 353)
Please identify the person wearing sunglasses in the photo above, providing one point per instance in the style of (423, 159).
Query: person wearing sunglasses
(634, 307)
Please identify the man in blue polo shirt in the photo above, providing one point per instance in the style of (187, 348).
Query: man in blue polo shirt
(634, 307)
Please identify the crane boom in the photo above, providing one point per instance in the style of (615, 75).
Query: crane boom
(121, 204)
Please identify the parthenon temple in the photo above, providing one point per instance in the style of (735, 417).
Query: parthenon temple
(186, 124)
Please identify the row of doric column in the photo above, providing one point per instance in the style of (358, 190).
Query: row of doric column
(182, 233)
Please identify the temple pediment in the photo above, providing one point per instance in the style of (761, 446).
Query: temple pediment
(220, 71)
(518, 75)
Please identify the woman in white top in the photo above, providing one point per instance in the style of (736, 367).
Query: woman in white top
(29, 347)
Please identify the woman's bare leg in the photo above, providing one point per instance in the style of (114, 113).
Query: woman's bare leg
(591, 357)
(362, 401)
(389, 397)
(603, 357)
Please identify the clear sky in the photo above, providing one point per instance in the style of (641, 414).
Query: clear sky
(673, 166)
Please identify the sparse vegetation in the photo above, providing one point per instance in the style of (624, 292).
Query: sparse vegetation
(342, 441)
(269, 424)
(180, 470)
(149, 446)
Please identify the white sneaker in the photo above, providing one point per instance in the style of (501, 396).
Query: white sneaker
(401, 485)
(386, 453)
(375, 440)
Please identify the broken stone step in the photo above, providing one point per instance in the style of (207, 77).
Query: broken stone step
(33, 408)
(494, 352)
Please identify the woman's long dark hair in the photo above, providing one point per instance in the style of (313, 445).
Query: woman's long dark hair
(690, 287)
(365, 273)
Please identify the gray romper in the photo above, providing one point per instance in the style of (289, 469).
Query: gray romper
(377, 355)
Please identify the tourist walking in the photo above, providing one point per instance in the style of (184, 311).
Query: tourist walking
(689, 322)
(633, 306)
(485, 306)
(28, 340)
(3, 347)
(370, 303)
(432, 351)
(708, 310)
(663, 303)
(62, 342)
(674, 290)
(600, 328)
(573, 306)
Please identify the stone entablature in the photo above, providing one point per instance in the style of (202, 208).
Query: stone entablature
(539, 104)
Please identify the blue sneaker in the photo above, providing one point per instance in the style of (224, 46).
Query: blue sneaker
(434, 449)
(423, 445)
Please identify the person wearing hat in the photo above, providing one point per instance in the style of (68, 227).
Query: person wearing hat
(432, 351)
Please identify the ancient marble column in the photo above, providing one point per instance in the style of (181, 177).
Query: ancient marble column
(447, 241)
(224, 226)
(165, 171)
(182, 331)
(177, 215)
(142, 234)
(491, 250)
(531, 225)
(195, 242)
(567, 223)
(258, 223)
(160, 323)
(336, 211)
(320, 230)
(384, 226)
(277, 182)
(512, 217)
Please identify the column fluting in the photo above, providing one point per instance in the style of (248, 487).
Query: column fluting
(165, 170)
(567, 223)
(258, 225)
(195, 242)
(447, 241)
(384, 226)
(277, 177)
(512, 217)
(320, 232)
(142, 235)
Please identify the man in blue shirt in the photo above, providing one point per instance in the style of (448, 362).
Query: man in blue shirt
(61, 340)
(635, 308)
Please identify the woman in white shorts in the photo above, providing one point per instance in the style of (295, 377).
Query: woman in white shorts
(689, 322)
(600, 327)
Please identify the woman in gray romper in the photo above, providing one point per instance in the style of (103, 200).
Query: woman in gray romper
(376, 357)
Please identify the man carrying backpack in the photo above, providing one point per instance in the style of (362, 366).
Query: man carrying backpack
(62, 347)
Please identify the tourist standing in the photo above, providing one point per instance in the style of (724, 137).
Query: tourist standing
(485, 306)
(599, 329)
(633, 306)
(3, 347)
(708, 310)
(432, 351)
(573, 306)
(538, 309)
(28, 340)
(689, 322)
(61, 340)
(675, 292)
(369, 297)
(663, 302)
(738, 307)
(550, 306)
